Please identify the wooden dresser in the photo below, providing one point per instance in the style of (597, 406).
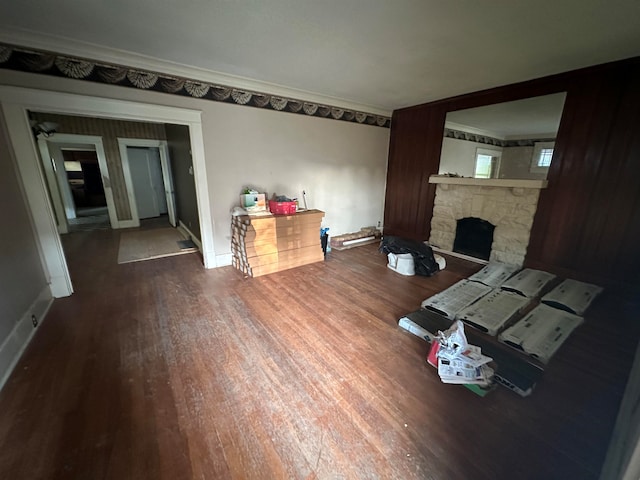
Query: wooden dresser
(262, 244)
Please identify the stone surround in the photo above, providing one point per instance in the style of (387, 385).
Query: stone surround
(509, 206)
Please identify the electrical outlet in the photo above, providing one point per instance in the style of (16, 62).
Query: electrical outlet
(34, 320)
(378, 223)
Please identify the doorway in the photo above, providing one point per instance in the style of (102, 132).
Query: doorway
(146, 167)
(16, 103)
(146, 177)
(68, 161)
(84, 180)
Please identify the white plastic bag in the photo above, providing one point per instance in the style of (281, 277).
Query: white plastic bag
(453, 341)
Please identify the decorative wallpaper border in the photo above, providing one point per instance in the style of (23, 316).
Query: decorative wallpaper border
(474, 137)
(48, 63)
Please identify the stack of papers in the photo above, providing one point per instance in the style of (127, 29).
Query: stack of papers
(541, 332)
(494, 274)
(456, 297)
(528, 282)
(470, 367)
(494, 311)
(514, 372)
(572, 296)
(457, 361)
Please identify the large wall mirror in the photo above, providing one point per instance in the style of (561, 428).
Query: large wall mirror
(505, 140)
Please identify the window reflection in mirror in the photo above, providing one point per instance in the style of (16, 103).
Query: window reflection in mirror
(506, 140)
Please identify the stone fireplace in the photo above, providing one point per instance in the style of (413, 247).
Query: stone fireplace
(509, 205)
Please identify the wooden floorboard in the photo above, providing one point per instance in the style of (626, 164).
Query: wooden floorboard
(164, 370)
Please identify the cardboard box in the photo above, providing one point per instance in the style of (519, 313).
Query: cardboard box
(253, 202)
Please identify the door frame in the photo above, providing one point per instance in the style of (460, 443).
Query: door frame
(622, 461)
(95, 143)
(52, 178)
(16, 102)
(57, 162)
(167, 177)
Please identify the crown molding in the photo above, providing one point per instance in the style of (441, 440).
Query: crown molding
(476, 131)
(533, 136)
(461, 132)
(93, 52)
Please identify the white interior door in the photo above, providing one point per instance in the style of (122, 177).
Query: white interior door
(144, 168)
(156, 154)
(155, 170)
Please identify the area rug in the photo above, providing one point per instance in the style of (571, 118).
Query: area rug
(138, 245)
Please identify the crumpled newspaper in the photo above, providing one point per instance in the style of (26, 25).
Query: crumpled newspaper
(453, 341)
(457, 361)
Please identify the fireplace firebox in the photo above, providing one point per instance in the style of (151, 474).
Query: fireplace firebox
(474, 237)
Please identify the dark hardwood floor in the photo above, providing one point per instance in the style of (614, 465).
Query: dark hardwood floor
(164, 370)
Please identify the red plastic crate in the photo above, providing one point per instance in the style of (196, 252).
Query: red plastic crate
(282, 208)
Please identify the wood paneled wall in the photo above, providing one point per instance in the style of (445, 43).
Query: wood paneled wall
(109, 130)
(179, 145)
(587, 224)
(414, 152)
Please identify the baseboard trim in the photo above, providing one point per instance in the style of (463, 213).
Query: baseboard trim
(127, 224)
(190, 234)
(60, 286)
(460, 255)
(14, 345)
(223, 260)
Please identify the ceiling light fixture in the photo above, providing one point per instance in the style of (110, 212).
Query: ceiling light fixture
(45, 128)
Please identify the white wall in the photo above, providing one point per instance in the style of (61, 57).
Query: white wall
(23, 283)
(341, 165)
(516, 163)
(459, 156)
(21, 275)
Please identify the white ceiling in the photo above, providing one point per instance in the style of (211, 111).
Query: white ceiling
(384, 54)
(527, 118)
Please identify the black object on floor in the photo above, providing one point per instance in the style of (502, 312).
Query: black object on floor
(423, 259)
